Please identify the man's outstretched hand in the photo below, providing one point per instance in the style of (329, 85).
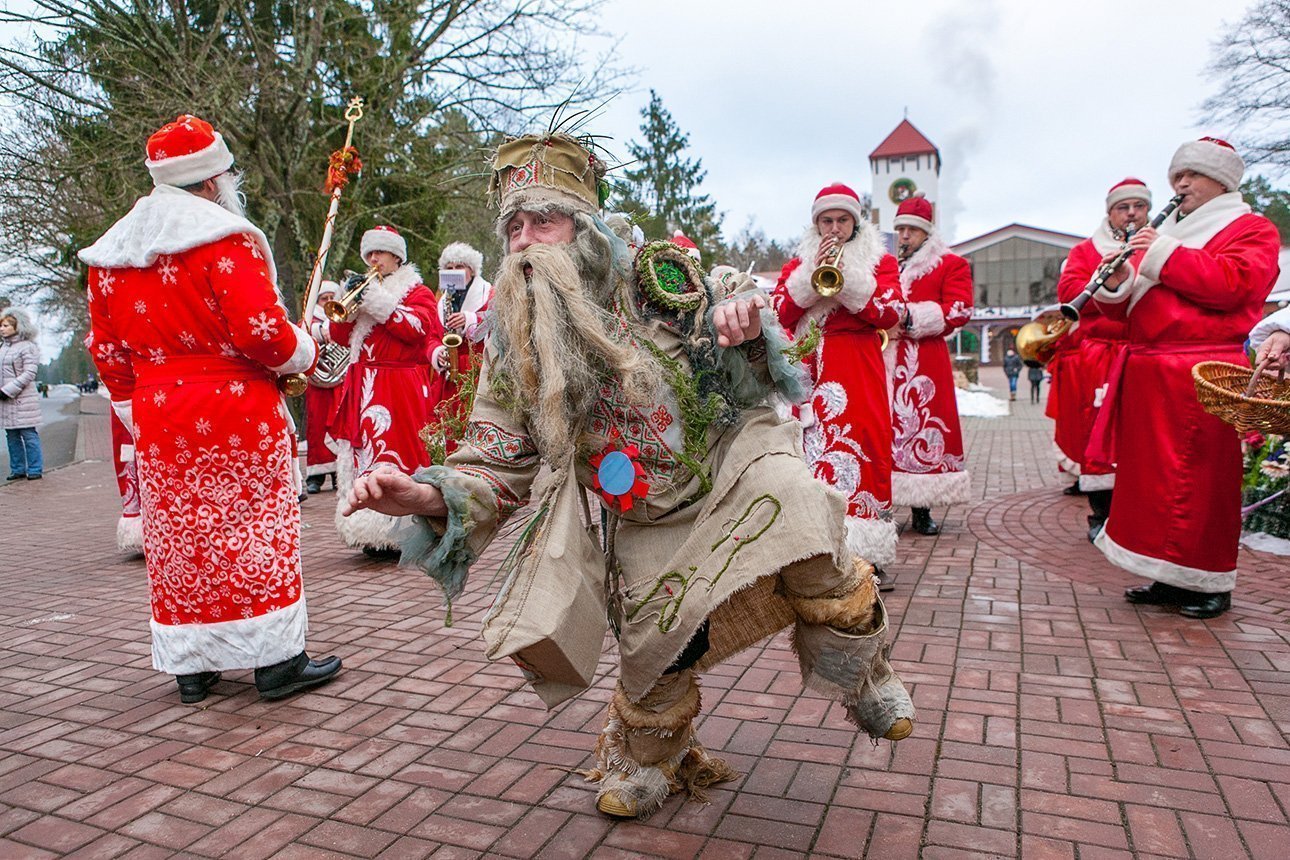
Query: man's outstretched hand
(388, 491)
(738, 320)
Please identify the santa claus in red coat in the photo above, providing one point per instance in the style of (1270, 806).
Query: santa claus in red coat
(189, 335)
(1095, 344)
(847, 435)
(927, 442)
(1198, 289)
(321, 402)
(464, 313)
(388, 389)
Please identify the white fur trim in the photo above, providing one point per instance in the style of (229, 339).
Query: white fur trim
(124, 410)
(1157, 255)
(1066, 464)
(913, 221)
(1279, 321)
(460, 252)
(872, 540)
(129, 533)
(1190, 578)
(845, 202)
(926, 319)
(931, 490)
(1214, 160)
(169, 221)
(245, 643)
(397, 284)
(923, 261)
(1104, 241)
(1095, 483)
(192, 167)
(383, 240)
(363, 528)
(1128, 192)
(439, 358)
(303, 357)
(860, 258)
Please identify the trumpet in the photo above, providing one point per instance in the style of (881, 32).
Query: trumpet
(1071, 310)
(827, 279)
(353, 287)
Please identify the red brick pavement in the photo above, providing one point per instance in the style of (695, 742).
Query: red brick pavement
(1055, 720)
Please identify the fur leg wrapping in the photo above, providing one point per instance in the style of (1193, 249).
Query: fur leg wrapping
(852, 663)
(647, 750)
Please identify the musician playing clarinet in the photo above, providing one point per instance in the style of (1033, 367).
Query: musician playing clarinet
(1192, 295)
(1079, 380)
(189, 335)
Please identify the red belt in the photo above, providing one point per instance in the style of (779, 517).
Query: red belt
(177, 368)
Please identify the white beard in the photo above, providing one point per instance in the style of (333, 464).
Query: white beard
(228, 187)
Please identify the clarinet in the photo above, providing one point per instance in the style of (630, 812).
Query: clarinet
(1071, 309)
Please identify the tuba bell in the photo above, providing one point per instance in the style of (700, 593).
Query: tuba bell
(827, 279)
(333, 361)
(1036, 341)
(352, 288)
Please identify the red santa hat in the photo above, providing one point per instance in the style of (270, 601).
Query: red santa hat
(383, 237)
(1210, 157)
(837, 196)
(683, 242)
(1127, 189)
(462, 254)
(915, 211)
(186, 151)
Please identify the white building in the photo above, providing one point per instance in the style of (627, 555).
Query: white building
(905, 162)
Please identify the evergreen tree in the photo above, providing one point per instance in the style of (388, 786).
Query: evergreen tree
(1271, 203)
(660, 191)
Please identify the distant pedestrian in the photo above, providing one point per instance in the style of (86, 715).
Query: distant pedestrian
(1036, 377)
(19, 402)
(1012, 369)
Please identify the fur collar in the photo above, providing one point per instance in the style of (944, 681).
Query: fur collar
(924, 260)
(1104, 241)
(386, 295)
(860, 258)
(169, 221)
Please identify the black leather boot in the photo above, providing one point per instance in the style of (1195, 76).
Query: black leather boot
(1073, 490)
(314, 484)
(1202, 605)
(923, 522)
(1157, 594)
(291, 676)
(193, 688)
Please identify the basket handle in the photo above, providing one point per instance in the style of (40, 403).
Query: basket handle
(1259, 370)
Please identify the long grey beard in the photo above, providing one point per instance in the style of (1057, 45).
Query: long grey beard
(557, 341)
(228, 187)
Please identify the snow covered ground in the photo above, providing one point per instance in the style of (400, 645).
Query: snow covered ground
(977, 401)
(1266, 543)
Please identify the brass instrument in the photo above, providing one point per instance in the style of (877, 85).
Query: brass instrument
(452, 342)
(827, 279)
(333, 361)
(352, 289)
(1036, 341)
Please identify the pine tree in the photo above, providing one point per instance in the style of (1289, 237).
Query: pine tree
(661, 185)
(1271, 203)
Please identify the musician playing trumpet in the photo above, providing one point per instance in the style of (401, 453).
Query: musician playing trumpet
(391, 335)
(847, 422)
(1084, 356)
(1195, 292)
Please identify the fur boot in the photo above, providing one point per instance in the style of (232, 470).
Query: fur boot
(647, 750)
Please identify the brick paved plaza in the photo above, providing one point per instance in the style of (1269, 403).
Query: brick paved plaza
(1055, 720)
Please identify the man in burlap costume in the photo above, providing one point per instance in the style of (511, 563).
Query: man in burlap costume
(719, 537)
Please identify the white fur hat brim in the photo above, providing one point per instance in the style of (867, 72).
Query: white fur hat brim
(1214, 160)
(1128, 192)
(194, 167)
(912, 221)
(384, 240)
(461, 254)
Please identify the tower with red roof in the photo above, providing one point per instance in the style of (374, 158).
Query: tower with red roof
(905, 162)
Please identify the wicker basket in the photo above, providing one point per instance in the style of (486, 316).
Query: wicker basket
(1247, 399)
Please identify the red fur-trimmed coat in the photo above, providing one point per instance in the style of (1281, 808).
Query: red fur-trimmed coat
(388, 392)
(1197, 292)
(189, 336)
(927, 439)
(1094, 346)
(847, 423)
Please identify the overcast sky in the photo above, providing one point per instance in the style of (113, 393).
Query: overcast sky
(1037, 109)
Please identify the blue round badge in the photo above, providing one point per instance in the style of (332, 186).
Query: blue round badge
(617, 473)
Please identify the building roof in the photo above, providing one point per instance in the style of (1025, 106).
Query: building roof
(905, 140)
(1021, 231)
